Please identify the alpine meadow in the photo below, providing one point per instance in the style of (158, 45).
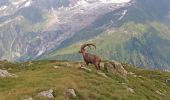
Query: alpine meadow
(84, 49)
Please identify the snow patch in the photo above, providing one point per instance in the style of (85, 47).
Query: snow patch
(82, 3)
(3, 7)
(110, 1)
(18, 2)
(85, 3)
(40, 52)
(28, 3)
(123, 14)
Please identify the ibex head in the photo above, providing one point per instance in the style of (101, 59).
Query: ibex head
(82, 49)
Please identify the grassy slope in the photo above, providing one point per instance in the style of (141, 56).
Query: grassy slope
(38, 76)
(139, 44)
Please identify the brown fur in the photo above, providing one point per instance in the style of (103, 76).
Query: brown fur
(90, 58)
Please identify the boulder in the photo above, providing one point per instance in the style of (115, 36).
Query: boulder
(115, 67)
(48, 94)
(168, 81)
(56, 67)
(5, 73)
(130, 90)
(70, 93)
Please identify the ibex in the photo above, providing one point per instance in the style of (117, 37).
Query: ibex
(90, 58)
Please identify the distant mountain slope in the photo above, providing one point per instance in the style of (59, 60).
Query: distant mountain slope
(138, 34)
(134, 31)
(139, 12)
(30, 28)
(139, 44)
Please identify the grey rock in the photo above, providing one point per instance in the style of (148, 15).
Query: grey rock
(5, 73)
(70, 93)
(115, 67)
(48, 94)
(130, 90)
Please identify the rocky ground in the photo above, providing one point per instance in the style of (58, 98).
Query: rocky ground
(62, 80)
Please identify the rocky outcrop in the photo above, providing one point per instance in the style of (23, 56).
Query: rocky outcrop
(115, 67)
(130, 90)
(70, 94)
(5, 73)
(48, 94)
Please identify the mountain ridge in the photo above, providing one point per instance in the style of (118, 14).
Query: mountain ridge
(42, 30)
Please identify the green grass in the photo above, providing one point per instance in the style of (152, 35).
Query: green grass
(38, 76)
